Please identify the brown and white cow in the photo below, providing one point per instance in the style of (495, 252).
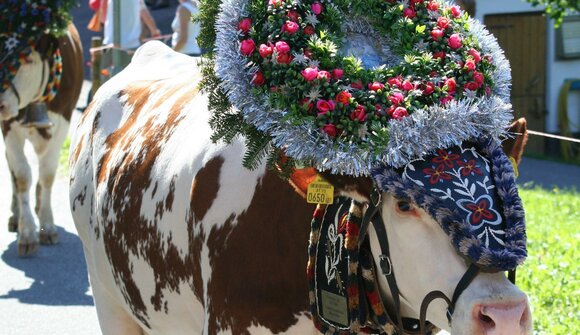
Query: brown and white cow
(29, 82)
(180, 238)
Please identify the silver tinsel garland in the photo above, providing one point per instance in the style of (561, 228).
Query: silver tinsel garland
(410, 138)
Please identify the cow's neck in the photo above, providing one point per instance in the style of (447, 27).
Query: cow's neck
(34, 92)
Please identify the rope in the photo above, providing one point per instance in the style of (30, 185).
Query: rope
(558, 137)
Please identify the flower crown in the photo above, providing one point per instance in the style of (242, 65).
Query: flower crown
(440, 78)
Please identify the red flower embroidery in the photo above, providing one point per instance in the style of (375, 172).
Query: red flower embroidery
(436, 175)
(444, 157)
(479, 211)
(469, 168)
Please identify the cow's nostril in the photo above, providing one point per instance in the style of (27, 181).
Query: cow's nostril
(485, 321)
(502, 318)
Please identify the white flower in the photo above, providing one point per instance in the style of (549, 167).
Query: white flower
(470, 94)
(313, 63)
(312, 19)
(11, 43)
(299, 58)
(314, 94)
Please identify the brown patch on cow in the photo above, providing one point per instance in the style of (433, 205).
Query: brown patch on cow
(259, 259)
(344, 184)
(514, 147)
(44, 133)
(126, 181)
(72, 74)
(77, 150)
(205, 188)
(6, 125)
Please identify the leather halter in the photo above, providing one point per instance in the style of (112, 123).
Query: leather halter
(370, 216)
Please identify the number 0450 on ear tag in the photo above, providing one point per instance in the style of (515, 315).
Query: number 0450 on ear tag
(320, 192)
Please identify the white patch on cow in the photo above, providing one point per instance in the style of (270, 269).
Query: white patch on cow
(303, 326)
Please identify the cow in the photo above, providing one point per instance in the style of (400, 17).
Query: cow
(180, 238)
(27, 87)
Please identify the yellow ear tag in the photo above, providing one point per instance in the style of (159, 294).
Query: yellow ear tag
(320, 192)
(514, 165)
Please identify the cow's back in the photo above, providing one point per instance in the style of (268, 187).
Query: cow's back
(175, 230)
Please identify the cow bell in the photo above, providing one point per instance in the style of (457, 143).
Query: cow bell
(36, 115)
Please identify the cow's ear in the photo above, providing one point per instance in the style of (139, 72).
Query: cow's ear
(514, 147)
(357, 188)
(46, 46)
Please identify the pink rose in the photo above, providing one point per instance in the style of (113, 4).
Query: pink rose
(478, 78)
(407, 86)
(309, 30)
(409, 13)
(429, 89)
(284, 58)
(488, 91)
(443, 22)
(395, 82)
(399, 113)
(258, 79)
(282, 47)
(324, 75)
(451, 85)
(245, 25)
(358, 114)
(317, 8)
(454, 41)
(265, 50)
(310, 73)
(275, 3)
(472, 86)
(293, 15)
(337, 74)
(475, 54)
(343, 97)
(324, 106)
(439, 55)
(375, 86)
(436, 34)
(446, 100)
(330, 129)
(396, 98)
(433, 6)
(455, 11)
(247, 47)
(470, 65)
(290, 27)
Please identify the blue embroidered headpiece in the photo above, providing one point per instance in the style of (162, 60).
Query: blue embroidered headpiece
(470, 191)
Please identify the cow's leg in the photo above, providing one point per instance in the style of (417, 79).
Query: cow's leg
(13, 220)
(22, 177)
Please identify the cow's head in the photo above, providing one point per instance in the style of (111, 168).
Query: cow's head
(432, 245)
(27, 84)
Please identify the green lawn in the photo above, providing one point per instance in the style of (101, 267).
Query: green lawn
(63, 159)
(551, 274)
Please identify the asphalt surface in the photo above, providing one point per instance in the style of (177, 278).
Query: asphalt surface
(50, 294)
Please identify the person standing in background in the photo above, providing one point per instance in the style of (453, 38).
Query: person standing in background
(185, 32)
(134, 14)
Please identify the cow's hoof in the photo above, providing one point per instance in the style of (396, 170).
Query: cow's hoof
(48, 237)
(27, 249)
(13, 224)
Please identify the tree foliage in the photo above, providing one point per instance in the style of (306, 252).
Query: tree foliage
(557, 9)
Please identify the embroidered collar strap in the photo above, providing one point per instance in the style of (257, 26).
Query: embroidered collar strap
(347, 135)
(470, 191)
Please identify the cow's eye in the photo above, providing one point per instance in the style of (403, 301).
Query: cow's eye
(404, 206)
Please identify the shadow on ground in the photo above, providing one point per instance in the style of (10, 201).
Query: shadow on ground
(58, 272)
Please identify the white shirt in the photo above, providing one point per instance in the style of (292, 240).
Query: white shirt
(130, 23)
(190, 47)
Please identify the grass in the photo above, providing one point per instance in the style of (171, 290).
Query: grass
(63, 159)
(551, 274)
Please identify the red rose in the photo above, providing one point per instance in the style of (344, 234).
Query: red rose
(399, 113)
(429, 88)
(245, 25)
(357, 85)
(446, 100)
(375, 86)
(247, 47)
(407, 86)
(265, 50)
(395, 82)
(330, 129)
(439, 55)
(258, 79)
(478, 78)
(317, 8)
(324, 106)
(310, 73)
(290, 27)
(275, 3)
(379, 110)
(358, 114)
(293, 15)
(472, 86)
(409, 13)
(436, 34)
(343, 97)
(451, 85)
(470, 65)
(396, 98)
(455, 11)
(337, 74)
(443, 22)
(454, 41)
(433, 6)
(475, 54)
(309, 30)
(282, 47)
(324, 75)
(284, 58)
(307, 104)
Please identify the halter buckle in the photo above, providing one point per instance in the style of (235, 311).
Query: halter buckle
(386, 265)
